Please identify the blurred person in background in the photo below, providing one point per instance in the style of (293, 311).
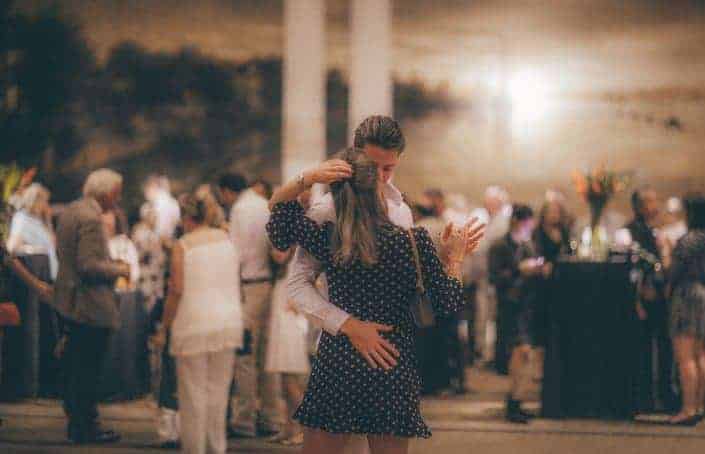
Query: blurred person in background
(203, 317)
(84, 294)
(441, 358)
(495, 213)
(687, 313)
(652, 306)
(215, 214)
(263, 188)
(255, 403)
(152, 257)
(157, 191)
(31, 227)
(675, 225)
(288, 346)
(551, 241)
(121, 248)
(513, 269)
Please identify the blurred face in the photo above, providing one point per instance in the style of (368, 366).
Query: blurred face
(493, 205)
(523, 230)
(111, 200)
(227, 197)
(553, 214)
(386, 160)
(650, 205)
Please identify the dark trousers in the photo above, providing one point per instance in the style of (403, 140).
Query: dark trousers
(84, 355)
(655, 384)
(168, 385)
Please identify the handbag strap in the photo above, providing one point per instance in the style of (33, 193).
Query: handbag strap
(417, 263)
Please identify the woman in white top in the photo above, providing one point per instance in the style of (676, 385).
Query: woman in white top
(30, 230)
(204, 315)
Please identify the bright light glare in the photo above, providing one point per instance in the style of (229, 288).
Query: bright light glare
(529, 95)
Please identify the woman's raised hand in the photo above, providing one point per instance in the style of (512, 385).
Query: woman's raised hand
(453, 242)
(457, 242)
(329, 172)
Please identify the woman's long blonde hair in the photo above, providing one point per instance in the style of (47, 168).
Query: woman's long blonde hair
(359, 210)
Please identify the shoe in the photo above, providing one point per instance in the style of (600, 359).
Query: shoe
(514, 414)
(690, 421)
(526, 414)
(295, 440)
(100, 437)
(171, 444)
(267, 432)
(232, 433)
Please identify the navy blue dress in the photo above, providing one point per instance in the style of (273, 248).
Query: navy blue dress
(344, 394)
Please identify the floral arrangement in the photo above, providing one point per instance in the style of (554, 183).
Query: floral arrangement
(597, 187)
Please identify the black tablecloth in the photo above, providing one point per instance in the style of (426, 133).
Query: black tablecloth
(126, 369)
(591, 362)
(29, 368)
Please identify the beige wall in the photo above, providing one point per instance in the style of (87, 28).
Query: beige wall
(458, 151)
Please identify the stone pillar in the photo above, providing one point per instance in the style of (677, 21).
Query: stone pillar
(304, 117)
(371, 88)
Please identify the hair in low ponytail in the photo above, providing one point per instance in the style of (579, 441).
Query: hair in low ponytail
(359, 210)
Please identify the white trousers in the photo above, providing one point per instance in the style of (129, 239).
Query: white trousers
(204, 385)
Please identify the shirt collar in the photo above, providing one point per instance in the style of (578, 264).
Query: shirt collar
(392, 194)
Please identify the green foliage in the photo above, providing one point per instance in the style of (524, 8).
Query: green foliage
(10, 176)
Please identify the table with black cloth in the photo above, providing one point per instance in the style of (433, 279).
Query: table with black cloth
(126, 370)
(591, 361)
(29, 367)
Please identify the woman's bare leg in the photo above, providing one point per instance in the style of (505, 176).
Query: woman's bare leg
(684, 347)
(320, 442)
(294, 394)
(388, 444)
(700, 362)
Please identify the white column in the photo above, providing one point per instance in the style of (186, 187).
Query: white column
(371, 87)
(304, 117)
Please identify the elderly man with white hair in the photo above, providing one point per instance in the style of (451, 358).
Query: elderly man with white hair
(495, 214)
(84, 295)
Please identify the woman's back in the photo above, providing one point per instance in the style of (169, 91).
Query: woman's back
(209, 314)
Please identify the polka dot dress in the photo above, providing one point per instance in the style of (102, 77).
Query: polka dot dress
(345, 394)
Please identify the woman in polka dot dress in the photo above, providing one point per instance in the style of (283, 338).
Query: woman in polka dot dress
(370, 267)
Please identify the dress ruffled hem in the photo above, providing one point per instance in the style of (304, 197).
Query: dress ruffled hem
(415, 428)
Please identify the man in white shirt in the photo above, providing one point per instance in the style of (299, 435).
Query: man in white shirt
(248, 216)
(157, 191)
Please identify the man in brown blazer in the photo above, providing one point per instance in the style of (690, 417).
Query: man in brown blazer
(85, 297)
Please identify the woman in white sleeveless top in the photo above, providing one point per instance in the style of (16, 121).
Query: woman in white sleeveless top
(204, 315)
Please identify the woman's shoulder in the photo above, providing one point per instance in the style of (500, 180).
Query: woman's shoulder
(204, 237)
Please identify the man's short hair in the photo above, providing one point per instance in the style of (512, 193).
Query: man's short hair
(381, 131)
(521, 212)
(638, 199)
(101, 182)
(233, 181)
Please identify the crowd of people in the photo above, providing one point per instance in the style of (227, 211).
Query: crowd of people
(285, 313)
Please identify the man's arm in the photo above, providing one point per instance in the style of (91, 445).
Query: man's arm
(308, 300)
(92, 263)
(302, 281)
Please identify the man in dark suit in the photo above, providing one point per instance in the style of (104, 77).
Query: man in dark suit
(652, 307)
(84, 295)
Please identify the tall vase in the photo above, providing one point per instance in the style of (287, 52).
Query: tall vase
(599, 246)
